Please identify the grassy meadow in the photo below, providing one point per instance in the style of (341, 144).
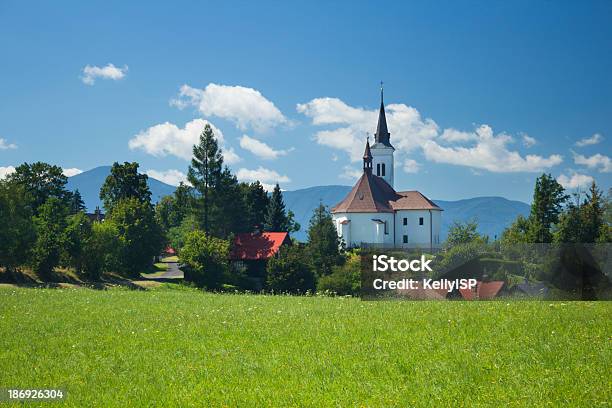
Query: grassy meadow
(175, 346)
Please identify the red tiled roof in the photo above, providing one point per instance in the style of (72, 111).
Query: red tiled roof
(373, 194)
(257, 246)
(484, 290)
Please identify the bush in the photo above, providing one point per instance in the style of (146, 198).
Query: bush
(290, 271)
(206, 259)
(344, 280)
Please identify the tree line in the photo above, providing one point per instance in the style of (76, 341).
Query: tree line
(45, 226)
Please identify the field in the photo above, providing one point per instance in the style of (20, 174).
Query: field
(182, 347)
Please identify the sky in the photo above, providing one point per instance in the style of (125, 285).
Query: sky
(481, 97)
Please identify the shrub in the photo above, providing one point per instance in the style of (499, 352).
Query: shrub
(344, 280)
(290, 271)
(205, 259)
(102, 248)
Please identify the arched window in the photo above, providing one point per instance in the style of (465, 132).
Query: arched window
(383, 170)
(378, 169)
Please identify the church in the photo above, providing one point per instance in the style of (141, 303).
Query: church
(373, 213)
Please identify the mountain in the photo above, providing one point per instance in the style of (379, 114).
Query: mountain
(89, 182)
(493, 214)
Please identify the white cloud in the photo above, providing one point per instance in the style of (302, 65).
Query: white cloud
(72, 172)
(587, 141)
(528, 141)
(350, 173)
(5, 145)
(168, 139)
(5, 171)
(408, 129)
(172, 177)
(575, 180)
(265, 176)
(491, 153)
(246, 107)
(454, 135)
(260, 149)
(597, 161)
(411, 166)
(109, 71)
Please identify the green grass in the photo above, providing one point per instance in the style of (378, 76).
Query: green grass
(182, 347)
(173, 258)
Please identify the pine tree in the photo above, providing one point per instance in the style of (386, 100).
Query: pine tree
(548, 199)
(323, 242)
(256, 200)
(276, 217)
(592, 215)
(76, 202)
(205, 170)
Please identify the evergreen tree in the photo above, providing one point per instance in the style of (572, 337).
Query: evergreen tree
(76, 202)
(592, 215)
(323, 242)
(124, 182)
(256, 200)
(548, 199)
(569, 229)
(276, 217)
(206, 170)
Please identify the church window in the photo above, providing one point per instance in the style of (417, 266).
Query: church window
(383, 169)
(405, 239)
(405, 221)
(378, 169)
(386, 229)
(420, 220)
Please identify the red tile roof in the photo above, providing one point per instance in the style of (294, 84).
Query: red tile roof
(483, 290)
(373, 194)
(257, 246)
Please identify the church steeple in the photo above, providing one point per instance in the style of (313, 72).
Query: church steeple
(367, 157)
(382, 133)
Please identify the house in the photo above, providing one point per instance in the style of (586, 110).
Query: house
(250, 253)
(373, 213)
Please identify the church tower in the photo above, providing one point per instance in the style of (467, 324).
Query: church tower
(382, 150)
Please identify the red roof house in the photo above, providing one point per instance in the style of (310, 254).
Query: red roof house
(258, 246)
(483, 290)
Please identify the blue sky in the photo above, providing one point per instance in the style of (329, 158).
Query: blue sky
(481, 96)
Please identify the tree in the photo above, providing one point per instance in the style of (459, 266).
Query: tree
(323, 242)
(344, 279)
(140, 234)
(124, 182)
(256, 200)
(172, 209)
(50, 224)
(103, 249)
(206, 259)
(76, 202)
(593, 214)
(75, 236)
(276, 217)
(205, 170)
(290, 271)
(517, 233)
(548, 199)
(41, 181)
(465, 233)
(17, 233)
(227, 208)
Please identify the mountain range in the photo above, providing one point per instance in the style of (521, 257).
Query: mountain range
(493, 214)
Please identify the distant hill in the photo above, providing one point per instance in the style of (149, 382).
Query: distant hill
(89, 182)
(493, 214)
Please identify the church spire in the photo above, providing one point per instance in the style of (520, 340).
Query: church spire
(367, 157)
(382, 133)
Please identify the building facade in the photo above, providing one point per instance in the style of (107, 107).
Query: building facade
(373, 213)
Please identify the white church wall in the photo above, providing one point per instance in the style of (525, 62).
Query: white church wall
(418, 235)
(362, 228)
